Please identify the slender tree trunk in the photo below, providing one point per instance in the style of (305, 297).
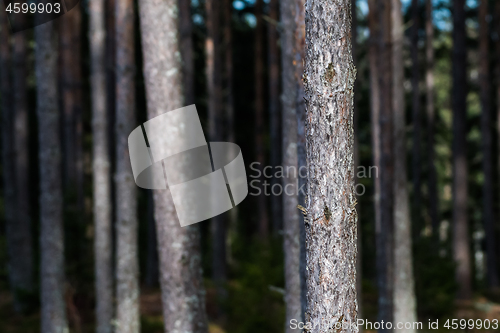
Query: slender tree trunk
(152, 261)
(487, 142)
(127, 265)
(404, 289)
(461, 251)
(216, 133)
(300, 44)
(186, 48)
(19, 237)
(53, 312)
(274, 107)
(291, 230)
(415, 81)
(431, 115)
(103, 247)
(332, 219)
(384, 235)
(263, 224)
(183, 293)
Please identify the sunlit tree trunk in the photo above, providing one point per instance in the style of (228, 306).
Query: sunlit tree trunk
(487, 146)
(52, 284)
(332, 219)
(404, 286)
(461, 250)
(415, 81)
(183, 293)
(127, 265)
(103, 248)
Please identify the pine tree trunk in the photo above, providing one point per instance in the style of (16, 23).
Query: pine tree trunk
(103, 247)
(415, 81)
(186, 48)
(332, 218)
(291, 230)
(461, 252)
(127, 265)
(183, 293)
(52, 284)
(404, 286)
(274, 108)
(300, 43)
(431, 116)
(487, 148)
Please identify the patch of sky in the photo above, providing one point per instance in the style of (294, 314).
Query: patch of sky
(250, 19)
(238, 5)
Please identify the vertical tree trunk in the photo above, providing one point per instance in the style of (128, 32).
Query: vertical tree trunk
(53, 312)
(19, 237)
(487, 148)
(186, 48)
(263, 224)
(332, 218)
(216, 133)
(274, 107)
(404, 290)
(181, 280)
(103, 247)
(415, 80)
(384, 235)
(300, 44)
(152, 273)
(127, 266)
(431, 115)
(291, 230)
(497, 73)
(461, 251)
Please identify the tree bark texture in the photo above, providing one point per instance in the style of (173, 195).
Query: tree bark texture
(461, 252)
(186, 49)
(183, 293)
(300, 44)
(487, 146)
(332, 219)
(404, 287)
(291, 230)
(103, 245)
(415, 81)
(52, 284)
(127, 263)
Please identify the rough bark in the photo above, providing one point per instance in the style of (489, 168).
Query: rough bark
(431, 120)
(291, 230)
(415, 81)
(300, 43)
(103, 247)
(332, 218)
(152, 272)
(461, 252)
(404, 286)
(487, 146)
(384, 234)
(53, 311)
(127, 265)
(274, 107)
(183, 293)
(228, 60)
(263, 221)
(186, 49)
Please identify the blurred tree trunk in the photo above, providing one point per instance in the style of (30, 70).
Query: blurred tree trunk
(216, 134)
(415, 81)
(332, 219)
(431, 120)
(291, 230)
(487, 146)
(103, 244)
(497, 70)
(186, 48)
(300, 45)
(181, 280)
(384, 234)
(461, 252)
(274, 107)
(263, 224)
(52, 284)
(152, 250)
(18, 232)
(127, 265)
(404, 286)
